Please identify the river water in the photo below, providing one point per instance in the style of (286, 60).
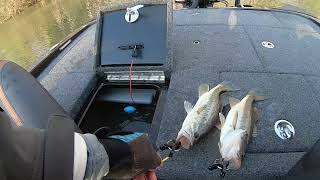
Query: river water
(27, 37)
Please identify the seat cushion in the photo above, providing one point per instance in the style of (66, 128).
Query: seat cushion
(24, 99)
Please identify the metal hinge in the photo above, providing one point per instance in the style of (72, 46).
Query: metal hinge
(137, 76)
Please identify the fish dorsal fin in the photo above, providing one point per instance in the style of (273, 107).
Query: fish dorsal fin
(254, 131)
(256, 114)
(256, 96)
(255, 118)
(188, 106)
(222, 121)
(203, 88)
(233, 101)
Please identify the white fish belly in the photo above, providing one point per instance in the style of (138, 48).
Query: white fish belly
(197, 124)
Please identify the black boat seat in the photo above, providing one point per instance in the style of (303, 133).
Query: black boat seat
(24, 99)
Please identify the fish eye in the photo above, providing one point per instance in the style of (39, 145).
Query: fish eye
(196, 135)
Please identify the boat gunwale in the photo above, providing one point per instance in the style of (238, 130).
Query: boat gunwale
(40, 65)
(45, 61)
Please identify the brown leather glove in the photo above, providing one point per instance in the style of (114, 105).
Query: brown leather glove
(130, 154)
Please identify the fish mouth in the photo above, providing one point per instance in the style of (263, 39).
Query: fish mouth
(235, 165)
(185, 139)
(224, 163)
(232, 164)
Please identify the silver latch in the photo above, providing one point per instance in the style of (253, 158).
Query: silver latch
(284, 129)
(132, 14)
(267, 44)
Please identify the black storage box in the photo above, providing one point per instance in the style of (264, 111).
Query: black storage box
(144, 43)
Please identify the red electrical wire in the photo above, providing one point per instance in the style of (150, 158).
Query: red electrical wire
(130, 81)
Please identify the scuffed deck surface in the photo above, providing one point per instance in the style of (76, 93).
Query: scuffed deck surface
(230, 49)
(70, 78)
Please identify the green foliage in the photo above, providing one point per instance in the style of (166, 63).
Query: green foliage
(9, 8)
(25, 38)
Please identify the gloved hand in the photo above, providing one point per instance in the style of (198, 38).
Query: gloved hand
(130, 154)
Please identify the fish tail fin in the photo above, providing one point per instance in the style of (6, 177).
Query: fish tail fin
(228, 86)
(256, 95)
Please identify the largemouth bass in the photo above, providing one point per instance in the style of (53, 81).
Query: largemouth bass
(203, 116)
(237, 129)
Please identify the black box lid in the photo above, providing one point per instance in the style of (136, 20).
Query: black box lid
(150, 31)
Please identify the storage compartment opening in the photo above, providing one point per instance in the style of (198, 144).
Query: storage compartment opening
(107, 108)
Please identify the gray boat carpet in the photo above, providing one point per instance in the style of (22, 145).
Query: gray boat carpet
(231, 50)
(70, 78)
